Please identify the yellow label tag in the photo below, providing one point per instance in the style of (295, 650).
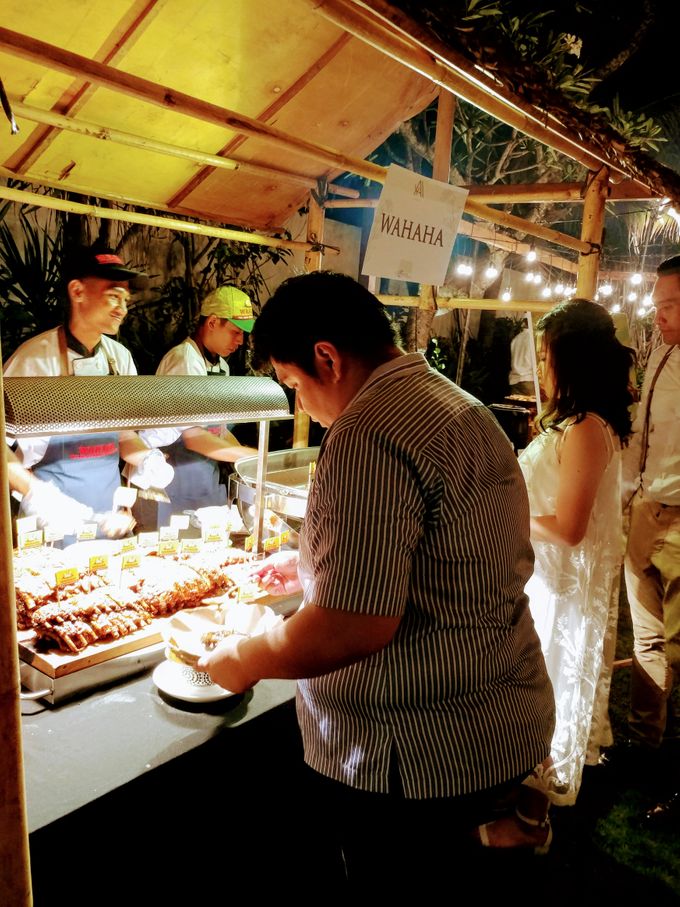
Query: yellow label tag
(128, 544)
(52, 535)
(168, 532)
(272, 543)
(191, 546)
(248, 543)
(98, 562)
(87, 532)
(131, 560)
(168, 546)
(66, 576)
(33, 539)
(213, 534)
(147, 539)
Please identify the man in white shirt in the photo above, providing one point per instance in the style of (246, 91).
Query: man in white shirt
(521, 376)
(652, 471)
(65, 480)
(195, 452)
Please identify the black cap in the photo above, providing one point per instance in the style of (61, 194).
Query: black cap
(96, 261)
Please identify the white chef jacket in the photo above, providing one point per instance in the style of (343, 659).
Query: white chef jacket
(184, 359)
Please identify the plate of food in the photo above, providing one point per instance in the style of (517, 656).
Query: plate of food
(193, 633)
(183, 682)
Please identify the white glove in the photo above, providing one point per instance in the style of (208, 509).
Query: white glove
(54, 509)
(153, 472)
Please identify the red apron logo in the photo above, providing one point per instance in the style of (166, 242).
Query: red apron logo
(90, 451)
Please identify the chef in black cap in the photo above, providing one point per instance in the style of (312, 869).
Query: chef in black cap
(66, 480)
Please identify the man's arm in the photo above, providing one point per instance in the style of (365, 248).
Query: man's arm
(312, 642)
(19, 477)
(226, 448)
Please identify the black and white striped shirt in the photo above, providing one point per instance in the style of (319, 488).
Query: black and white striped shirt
(419, 509)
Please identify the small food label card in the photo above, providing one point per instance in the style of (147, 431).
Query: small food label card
(87, 532)
(66, 576)
(147, 539)
(168, 547)
(192, 546)
(130, 560)
(32, 539)
(98, 562)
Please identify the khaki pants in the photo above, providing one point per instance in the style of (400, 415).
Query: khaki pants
(653, 587)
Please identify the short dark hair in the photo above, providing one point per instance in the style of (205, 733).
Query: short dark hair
(321, 306)
(669, 266)
(590, 366)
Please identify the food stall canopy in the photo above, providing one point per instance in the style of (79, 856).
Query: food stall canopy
(169, 87)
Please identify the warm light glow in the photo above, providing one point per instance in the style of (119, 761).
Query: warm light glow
(538, 278)
(616, 307)
(647, 300)
(491, 272)
(636, 279)
(559, 288)
(606, 289)
(631, 297)
(546, 292)
(463, 269)
(506, 295)
(531, 254)
(642, 311)
(529, 277)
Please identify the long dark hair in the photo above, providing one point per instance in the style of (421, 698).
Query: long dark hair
(591, 368)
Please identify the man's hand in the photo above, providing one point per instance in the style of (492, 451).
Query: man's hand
(54, 509)
(225, 668)
(154, 471)
(278, 574)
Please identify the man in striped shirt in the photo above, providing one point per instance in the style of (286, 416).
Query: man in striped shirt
(422, 686)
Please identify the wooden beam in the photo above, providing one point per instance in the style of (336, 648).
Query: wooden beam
(123, 35)
(152, 220)
(214, 161)
(395, 34)
(48, 55)
(591, 232)
(449, 302)
(626, 190)
(15, 873)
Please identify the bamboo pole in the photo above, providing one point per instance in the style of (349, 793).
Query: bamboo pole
(484, 212)
(105, 133)
(75, 64)
(15, 874)
(395, 34)
(152, 220)
(313, 262)
(591, 232)
(450, 302)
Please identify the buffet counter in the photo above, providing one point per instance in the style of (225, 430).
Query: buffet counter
(87, 748)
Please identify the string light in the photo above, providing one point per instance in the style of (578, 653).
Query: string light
(616, 308)
(636, 279)
(506, 295)
(531, 254)
(546, 292)
(463, 269)
(529, 277)
(606, 289)
(491, 272)
(631, 296)
(559, 289)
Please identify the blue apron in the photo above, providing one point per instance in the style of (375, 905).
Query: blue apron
(85, 467)
(196, 482)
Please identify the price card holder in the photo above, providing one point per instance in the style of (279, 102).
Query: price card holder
(52, 535)
(167, 533)
(67, 576)
(87, 532)
(129, 544)
(168, 547)
(98, 562)
(147, 539)
(214, 534)
(191, 546)
(179, 521)
(32, 539)
(130, 560)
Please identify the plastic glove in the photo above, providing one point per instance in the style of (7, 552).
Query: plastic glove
(52, 508)
(153, 472)
(116, 524)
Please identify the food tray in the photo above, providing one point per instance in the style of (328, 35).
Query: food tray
(286, 484)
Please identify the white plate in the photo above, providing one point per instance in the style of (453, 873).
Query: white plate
(170, 681)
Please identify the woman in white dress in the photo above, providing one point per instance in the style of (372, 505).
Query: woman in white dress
(573, 475)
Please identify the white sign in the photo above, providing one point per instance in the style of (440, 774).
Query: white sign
(414, 229)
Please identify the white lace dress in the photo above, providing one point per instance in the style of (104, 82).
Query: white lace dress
(574, 601)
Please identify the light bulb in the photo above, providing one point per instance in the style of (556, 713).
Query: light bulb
(606, 289)
(559, 288)
(491, 272)
(631, 296)
(538, 278)
(616, 308)
(636, 279)
(642, 311)
(506, 295)
(546, 292)
(531, 254)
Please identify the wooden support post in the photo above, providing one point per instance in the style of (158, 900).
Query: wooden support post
(313, 262)
(591, 232)
(15, 874)
(441, 168)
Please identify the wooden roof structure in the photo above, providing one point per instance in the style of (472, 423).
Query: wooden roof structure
(232, 112)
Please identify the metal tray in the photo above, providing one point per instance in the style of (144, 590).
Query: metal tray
(286, 484)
